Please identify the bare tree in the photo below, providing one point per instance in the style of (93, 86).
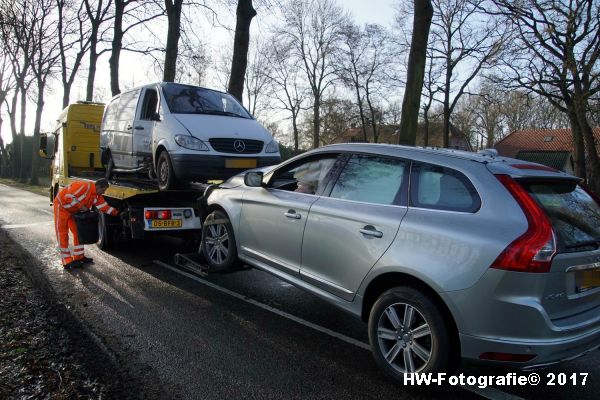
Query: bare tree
(7, 85)
(73, 42)
(97, 13)
(556, 46)
(313, 28)
(423, 12)
(45, 58)
(257, 83)
(288, 91)
(173, 9)
(245, 12)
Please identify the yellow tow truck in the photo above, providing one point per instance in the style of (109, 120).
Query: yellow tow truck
(74, 148)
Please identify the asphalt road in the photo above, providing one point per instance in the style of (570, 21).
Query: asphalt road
(239, 335)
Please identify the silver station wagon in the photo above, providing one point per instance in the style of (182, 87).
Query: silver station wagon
(446, 254)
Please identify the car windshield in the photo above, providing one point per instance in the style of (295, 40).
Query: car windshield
(183, 99)
(574, 214)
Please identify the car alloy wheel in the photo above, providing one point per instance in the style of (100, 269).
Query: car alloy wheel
(404, 337)
(217, 243)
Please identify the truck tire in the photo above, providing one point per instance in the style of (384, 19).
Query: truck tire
(105, 234)
(408, 334)
(165, 175)
(218, 242)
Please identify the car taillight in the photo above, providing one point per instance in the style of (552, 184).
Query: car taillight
(151, 214)
(534, 250)
(164, 214)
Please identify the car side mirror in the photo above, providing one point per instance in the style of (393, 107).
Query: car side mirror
(47, 144)
(155, 117)
(253, 179)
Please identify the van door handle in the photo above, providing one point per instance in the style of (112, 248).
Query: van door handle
(369, 230)
(292, 214)
(128, 127)
(139, 128)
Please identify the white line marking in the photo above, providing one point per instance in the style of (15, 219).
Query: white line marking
(488, 393)
(319, 328)
(45, 211)
(18, 226)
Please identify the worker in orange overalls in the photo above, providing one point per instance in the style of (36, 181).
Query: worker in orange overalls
(76, 197)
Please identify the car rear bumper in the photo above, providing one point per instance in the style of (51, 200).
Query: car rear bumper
(207, 167)
(546, 352)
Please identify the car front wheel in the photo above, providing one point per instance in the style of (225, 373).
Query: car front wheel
(165, 174)
(408, 334)
(218, 243)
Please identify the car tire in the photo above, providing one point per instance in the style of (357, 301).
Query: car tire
(423, 347)
(218, 242)
(165, 175)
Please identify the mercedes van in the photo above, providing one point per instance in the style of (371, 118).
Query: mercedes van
(178, 132)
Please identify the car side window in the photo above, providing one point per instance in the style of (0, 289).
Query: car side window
(110, 115)
(127, 105)
(149, 104)
(306, 176)
(442, 188)
(371, 179)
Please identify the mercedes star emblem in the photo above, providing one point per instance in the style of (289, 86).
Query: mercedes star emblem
(239, 146)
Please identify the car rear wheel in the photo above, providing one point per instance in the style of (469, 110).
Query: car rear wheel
(165, 175)
(408, 334)
(218, 243)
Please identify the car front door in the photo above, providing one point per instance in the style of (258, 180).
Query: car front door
(273, 218)
(350, 229)
(143, 125)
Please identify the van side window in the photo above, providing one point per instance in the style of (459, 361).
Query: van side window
(110, 115)
(442, 188)
(149, 106)
(127, 105)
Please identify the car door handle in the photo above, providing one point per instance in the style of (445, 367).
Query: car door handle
(292, 214)
(128, 127)
(370, 230)
(139, 128)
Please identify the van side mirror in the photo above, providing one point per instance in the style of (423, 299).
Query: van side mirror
(253, 179)
(47, 145)
(155, 117)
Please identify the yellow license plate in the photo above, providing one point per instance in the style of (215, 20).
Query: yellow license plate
(588, 279)
(166, 223)
(240, 163)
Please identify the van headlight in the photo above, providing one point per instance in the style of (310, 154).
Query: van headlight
(190, 142)
(272, 147)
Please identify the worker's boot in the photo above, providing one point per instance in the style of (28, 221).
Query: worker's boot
(72, 264)
(86, 260)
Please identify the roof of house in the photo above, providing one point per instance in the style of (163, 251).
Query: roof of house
(554, 159)
(539, 140)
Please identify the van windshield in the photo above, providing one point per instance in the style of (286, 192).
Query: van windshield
(183, 99)
(574, 214)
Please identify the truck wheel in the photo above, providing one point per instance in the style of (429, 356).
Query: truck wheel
(218, 242)
(165, 175)
(408, 334)
(105, 234)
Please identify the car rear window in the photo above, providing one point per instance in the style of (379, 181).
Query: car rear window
(574, 214)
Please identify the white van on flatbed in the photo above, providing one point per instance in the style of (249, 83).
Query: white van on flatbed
(179, 132)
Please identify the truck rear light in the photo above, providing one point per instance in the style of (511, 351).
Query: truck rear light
(151, 214)
(534, 250)
(164, 214)
(506, 357)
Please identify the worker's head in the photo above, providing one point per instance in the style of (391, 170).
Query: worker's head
(101, 186)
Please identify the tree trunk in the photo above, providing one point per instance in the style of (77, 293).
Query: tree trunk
(89, 96)
(117, 45)
(373, 121)
(316, 122)
(361, 111)
(173, 33)
(591, 159)
(245, 12)
(3, 155)
(446, 116)
(15, 156)
(416, 72)
(296, 132)
(35, 158)
(25, 165)
(426, 126)
(578, 143)
(66, 94)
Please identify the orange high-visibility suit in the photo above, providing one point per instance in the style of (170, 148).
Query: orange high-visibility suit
(69, 201)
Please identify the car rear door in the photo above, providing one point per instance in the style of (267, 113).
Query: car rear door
(351, 228)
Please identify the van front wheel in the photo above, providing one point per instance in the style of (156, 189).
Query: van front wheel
(165, 175)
